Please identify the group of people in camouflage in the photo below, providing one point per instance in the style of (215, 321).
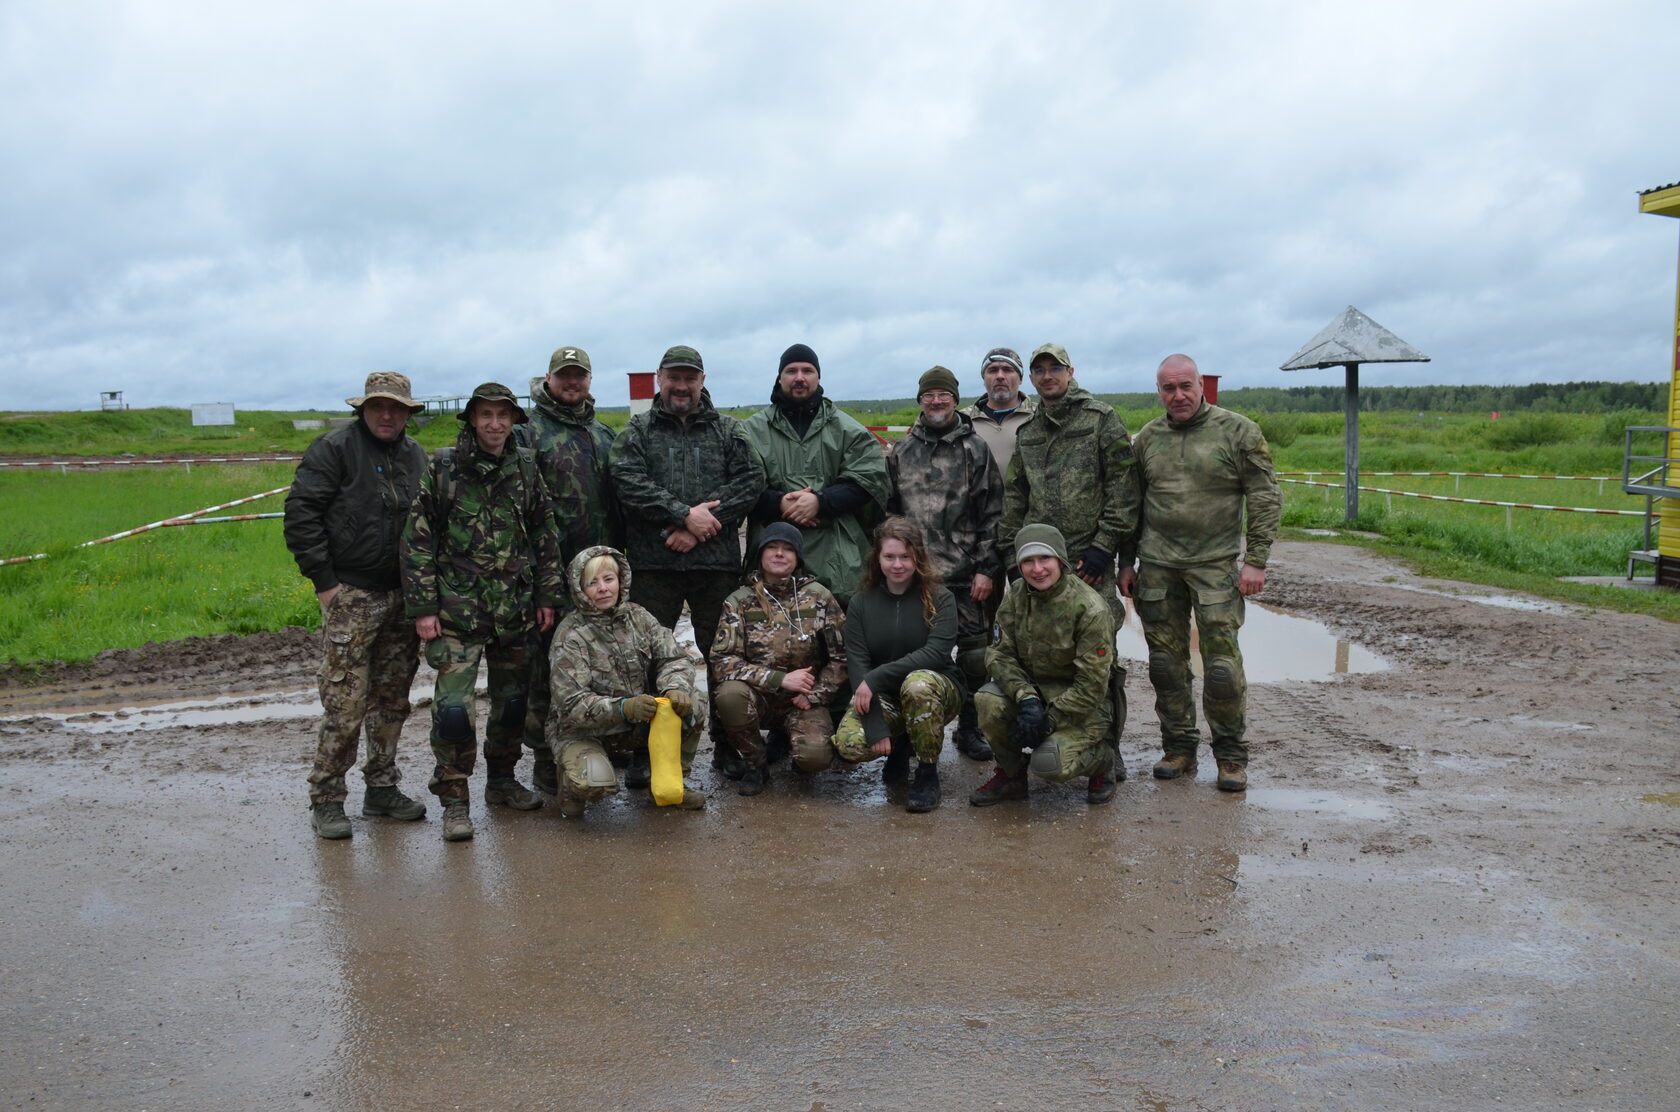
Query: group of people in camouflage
(973, 574)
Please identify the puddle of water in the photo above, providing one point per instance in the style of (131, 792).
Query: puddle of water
(1544, 724)
(1667, 799)
(226, 710)
(1329, 803)
(1506, 602)
(1276, 646)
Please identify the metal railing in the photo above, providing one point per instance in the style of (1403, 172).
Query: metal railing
(1653, 484)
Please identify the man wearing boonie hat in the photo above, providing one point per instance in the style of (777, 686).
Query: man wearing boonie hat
(1050, 670)
(572, 448)
(481, 579)
(999, 413)
(343, 525)
(944, 479)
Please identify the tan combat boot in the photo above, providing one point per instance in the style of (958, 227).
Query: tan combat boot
(457, 823)
(1174, 765)
(1233, 777)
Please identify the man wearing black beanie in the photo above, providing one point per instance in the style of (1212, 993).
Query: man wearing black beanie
(825, 473)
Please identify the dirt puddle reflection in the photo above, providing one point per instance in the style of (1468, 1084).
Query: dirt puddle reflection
(1276, 646)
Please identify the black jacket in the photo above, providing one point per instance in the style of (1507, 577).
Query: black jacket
(346, 509)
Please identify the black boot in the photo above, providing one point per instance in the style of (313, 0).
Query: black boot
(968, 739)
(725, 759)
(924, 791)
(752, 780)
(897, 767)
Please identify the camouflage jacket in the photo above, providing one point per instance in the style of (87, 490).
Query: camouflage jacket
(1073, 469)
(947, 483)
(1194, 481)
(480, 550)
(345, 511)
(765, 632)
(1057, 644)
(834, 448)
(1000, 435)
(573, 449)
(602, 657)
(662, 466)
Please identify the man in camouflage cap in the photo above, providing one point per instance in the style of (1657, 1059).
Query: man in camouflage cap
(944, 479)
(1050, 671)
(1200, 467)
(572, 448)
(686, 477)
(481, 579)
(343, 525)
(1073, 469)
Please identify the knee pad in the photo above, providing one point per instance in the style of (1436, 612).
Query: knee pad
(813, 758)
(1221, 679)
(734, 706)
(513, 713)
(598, 773)
(1047, 760)
(1164, 669)
(455, 724)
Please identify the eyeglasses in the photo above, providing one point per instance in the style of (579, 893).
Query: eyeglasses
(939, 396)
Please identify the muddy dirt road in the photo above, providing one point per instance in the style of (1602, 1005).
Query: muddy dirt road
(1453, 886)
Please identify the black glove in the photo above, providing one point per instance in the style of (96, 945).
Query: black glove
(1032, 723)
(1094, 563)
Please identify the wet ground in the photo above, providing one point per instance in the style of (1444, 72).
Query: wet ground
(1451, 887)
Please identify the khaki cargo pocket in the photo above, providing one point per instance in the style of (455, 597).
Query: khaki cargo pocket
(1150, 603)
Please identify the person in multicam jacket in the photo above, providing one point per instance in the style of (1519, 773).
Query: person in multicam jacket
(609, 660)
(778, 658)
(481, 579)
(943, 478)
(1200, 467)
(1050, 670)
(572, 449)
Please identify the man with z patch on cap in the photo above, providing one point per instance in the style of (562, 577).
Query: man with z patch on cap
(481, 577)
(1050, 669)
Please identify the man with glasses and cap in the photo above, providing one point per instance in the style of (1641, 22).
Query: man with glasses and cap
(481, 579)
(343, 525)
(1073, 469)
(572, 449)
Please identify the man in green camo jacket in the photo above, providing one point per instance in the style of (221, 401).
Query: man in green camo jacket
(1199, 468)
(572, 449)
(481, 578)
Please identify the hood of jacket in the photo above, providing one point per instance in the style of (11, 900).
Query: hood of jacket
(545, 403)
(574, 581)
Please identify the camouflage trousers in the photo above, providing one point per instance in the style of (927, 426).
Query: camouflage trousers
(741, 711)
(1165, 598)
(974, 632)
(586, 759)
(926, 702)
(453, 736)
(1071, 750)
(369, 656)
(537, 702)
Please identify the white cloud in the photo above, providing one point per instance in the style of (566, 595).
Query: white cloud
(204, 199)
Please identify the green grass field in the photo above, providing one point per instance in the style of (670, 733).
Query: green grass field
(238, 577)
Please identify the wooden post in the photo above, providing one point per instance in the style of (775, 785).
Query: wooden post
(1350, 436)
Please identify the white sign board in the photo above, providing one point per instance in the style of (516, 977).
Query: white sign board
(212, 413)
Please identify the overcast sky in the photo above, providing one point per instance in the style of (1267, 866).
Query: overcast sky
(262, 203)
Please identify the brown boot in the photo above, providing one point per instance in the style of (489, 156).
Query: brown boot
(1174, 765)
(1233, 777)
(1000, 787)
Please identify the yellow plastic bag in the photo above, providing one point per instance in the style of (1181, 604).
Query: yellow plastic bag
(665, 754)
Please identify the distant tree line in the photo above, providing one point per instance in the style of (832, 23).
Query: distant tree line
(1538, 397)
